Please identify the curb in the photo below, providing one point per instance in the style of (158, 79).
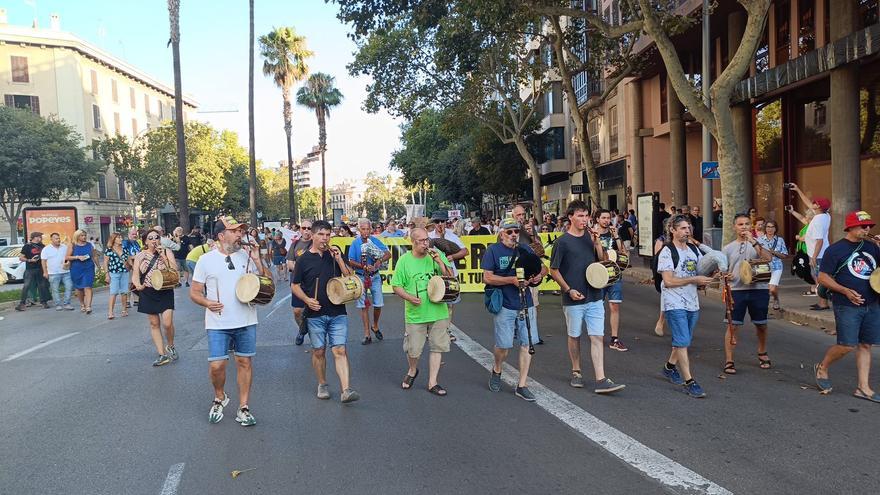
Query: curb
(795, 316)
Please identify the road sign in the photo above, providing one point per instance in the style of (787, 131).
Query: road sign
(259, 214)
(709, 170)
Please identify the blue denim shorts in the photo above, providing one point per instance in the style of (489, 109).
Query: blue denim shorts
(681, 324)
(857, 324)
(591, 314)
(509, 328)
(242, 341)
(119, 283)
(755, 301)
(327, 331)
(375, 288)
(614, 294)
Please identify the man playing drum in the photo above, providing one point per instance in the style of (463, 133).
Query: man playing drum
(610, 240)
(846, 270)
(751, 296)
(296, 250)
(367, 254)
(230, 323)
(582, 305)
(425, 319)
(327, 322)
(499, 271)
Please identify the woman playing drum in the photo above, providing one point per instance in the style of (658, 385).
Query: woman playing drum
(158, 305)
(777, 248)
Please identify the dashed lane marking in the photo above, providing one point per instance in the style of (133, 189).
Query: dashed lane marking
(173, 479)
(38, 347)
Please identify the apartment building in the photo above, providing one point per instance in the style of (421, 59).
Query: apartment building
(52, 72)
(345, 197)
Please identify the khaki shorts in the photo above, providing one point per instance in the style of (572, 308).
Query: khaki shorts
(417, 333)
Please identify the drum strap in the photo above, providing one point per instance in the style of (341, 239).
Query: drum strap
(149, 267)
(846, 260)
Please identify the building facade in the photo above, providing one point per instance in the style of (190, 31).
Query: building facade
(54, 73)
(345, 197)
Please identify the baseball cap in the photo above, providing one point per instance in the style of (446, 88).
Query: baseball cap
(439, 216)
(227, 223)
(509, 223)
(823, 203)
(858, 219)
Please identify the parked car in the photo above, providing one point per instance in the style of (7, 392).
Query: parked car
(11, 265)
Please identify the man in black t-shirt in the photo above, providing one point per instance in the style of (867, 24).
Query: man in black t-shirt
(33, 272)
(297, 249)
(846, 270)
(477, 228)
(327, 322)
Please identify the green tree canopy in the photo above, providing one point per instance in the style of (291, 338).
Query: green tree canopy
(40, 159)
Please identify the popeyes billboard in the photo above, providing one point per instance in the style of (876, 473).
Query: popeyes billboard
(48, 219)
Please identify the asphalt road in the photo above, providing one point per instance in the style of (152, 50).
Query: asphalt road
(86, 413)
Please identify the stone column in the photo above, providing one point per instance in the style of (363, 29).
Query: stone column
(844, 110)
(634, 121)
(677, 149)
(742, 113)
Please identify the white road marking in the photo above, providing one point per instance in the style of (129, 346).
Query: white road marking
(172, 480)
(629, 450)
(38, 347)
(277, 305)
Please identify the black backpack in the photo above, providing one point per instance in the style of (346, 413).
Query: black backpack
(658, 277)
(800, 267)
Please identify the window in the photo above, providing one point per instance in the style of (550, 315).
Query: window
(132, 98)
(553, 99)
(783, 31)
(102, 187)
(762, 55)
(134, 127)
(161, 109)
(768, 136)
(612, 138)
(114, 91)
(173, 113)
(593, 131)
(807, 26)
(867, 13)
(95, 144)
(615, 12)
(25, 102)
(147, 104)
(96, 116)
(94, 82)
(664, 103)
(120, 184)
(20, 69)
(812, 132)
(869, 110)
(117, 127)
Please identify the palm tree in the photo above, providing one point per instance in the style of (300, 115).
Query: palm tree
(252, 153)
(284, 58)
(321, 95)
(182, 195)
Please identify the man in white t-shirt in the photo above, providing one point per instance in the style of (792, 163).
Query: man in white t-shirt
(816, 237)
(52, 259)
(228, 322)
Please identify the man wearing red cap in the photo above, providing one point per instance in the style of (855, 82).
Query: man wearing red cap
(816, 237)
(846, 271)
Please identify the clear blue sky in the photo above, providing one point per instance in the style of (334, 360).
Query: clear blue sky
(214, 59)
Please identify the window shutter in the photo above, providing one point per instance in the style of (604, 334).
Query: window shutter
(20, 69)
(94, 82)
(114, 90)
(35, 104)
(131, 96)
(116, 123)
(8, 100)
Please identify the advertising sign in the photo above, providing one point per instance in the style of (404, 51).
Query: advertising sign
(48, 219)
(709, 170)
(470, 270)
(646, 205)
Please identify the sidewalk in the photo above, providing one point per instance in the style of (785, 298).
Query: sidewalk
(795, 307)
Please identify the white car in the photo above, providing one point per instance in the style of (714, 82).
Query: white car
(11, 265)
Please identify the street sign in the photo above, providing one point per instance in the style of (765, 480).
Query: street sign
(259, 214)
(577, 188)
(709, 170)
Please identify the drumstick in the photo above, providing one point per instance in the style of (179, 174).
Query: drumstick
(219, 313)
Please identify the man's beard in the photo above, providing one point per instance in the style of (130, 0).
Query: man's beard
(233, 247)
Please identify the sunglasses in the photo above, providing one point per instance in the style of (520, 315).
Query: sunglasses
(511, 231)
(306, 228)
(229, 263)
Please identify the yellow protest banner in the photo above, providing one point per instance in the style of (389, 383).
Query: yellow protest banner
(470, 271)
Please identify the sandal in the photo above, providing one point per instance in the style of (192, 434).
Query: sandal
(862, 395)
(776, 306)
(764, 364)
(110, 317)
(408, 380)
(729, 368)
(125, 313)
(378, 333)
(438, 390)
(88, 310)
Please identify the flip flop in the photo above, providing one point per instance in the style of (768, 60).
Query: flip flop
(861, 395)
(438, 390)
(729, 368)
(409, 380)
(823, 384)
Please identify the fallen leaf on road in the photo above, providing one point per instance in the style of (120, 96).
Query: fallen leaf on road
(237, 473)
(804, 387)
(796, 323)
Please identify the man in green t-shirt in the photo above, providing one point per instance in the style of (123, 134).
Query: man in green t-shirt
(425, 320)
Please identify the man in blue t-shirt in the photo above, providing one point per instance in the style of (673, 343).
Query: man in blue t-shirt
(846, 269)
(499, 272)
(368, 255)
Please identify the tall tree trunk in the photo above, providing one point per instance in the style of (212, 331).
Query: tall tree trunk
(288, 131)
(182, 194)
(322, 144)
(252, 153)
(13, 229)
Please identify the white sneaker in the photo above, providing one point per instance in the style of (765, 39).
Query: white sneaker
(216, 413)
(245, 417)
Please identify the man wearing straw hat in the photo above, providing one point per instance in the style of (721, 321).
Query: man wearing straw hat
(327, 322)
(229, 322)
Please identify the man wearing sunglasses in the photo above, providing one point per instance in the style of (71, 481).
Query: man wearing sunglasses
(441, 231)
(296, 250)
(499, 271)
(846, 270)
(228, 322)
